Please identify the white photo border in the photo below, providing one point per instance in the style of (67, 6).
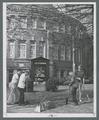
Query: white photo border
(39, 115)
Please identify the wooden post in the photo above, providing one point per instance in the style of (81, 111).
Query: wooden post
(73, 51)
(47, 44)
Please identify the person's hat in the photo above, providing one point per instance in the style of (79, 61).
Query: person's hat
(71, 73)
(27, 71)
(78, 78)
(18, 71)
(23, 71)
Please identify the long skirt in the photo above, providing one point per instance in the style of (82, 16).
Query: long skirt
(13, 96)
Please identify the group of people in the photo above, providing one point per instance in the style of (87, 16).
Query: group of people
(18, 84)
(17, 87)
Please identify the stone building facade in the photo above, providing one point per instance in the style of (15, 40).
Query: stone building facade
(36, 31)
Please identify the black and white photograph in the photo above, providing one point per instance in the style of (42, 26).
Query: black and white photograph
(49, 59)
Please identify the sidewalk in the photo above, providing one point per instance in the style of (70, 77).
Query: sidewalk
(84, 108)
(57, 98)
(70, 108)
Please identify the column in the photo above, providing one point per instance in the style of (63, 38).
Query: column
(47, 46)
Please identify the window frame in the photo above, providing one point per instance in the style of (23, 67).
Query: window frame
(44, 24)
(23, 18)
(34, 23)
(61, 50)
(68, 49)
(32, 44)
(54, 49)
(12, 50)
(20, 51)
(42, 45)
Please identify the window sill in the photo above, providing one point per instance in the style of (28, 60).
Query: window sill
(39, 29)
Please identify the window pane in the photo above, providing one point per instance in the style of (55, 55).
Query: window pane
(40, 24)
(11, 50)
(34, 23)
(56, 28)
(22, 50)
(68, 29)
(68, 55)
(42, 50)
(55, 52)
(23, 22)
(33, 51)
(62, 52)
(62, 28)
(12, 23)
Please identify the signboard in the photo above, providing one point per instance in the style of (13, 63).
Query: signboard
(39, 69)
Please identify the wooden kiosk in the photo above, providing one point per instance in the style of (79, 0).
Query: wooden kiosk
(39, 74)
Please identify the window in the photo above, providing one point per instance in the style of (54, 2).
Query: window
(12, 23)
(33, 50)
(62, 28)
(33, 38)
(22, 49)
(69, 29)
(55, 52)
(23, 21)
(56, 28)
(11, 50)
(41, 24)
(62, 52)
(22, 37)
(68, 53)
(34, 23)
(42, 47)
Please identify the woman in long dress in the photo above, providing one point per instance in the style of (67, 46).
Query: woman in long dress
(13, 91)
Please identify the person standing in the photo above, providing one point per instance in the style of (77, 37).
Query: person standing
(13, 92)
(75, 86)
(80, 74)
(21, 87)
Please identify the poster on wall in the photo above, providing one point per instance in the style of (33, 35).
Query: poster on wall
(40, 74)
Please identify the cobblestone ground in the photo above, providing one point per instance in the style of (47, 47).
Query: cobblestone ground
(58, 100)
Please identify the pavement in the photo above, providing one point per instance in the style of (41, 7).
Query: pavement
(57, 100)
(70, 108)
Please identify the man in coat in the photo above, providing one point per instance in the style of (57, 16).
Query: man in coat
(21, 86)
